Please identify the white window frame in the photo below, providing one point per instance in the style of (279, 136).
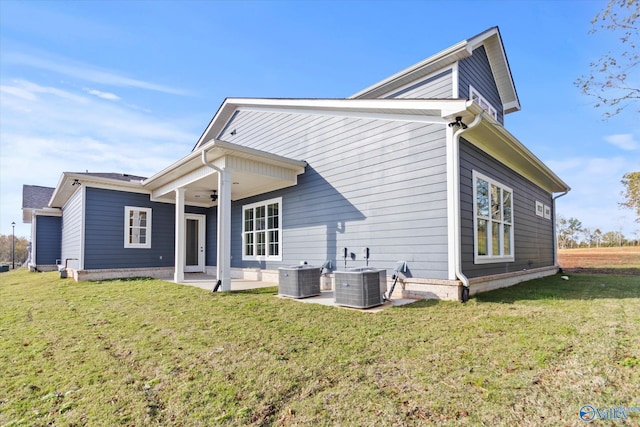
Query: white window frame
(267, 230)
(490, 257)
(127, 228)
(474, 95)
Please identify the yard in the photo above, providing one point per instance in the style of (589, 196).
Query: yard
(147, 352)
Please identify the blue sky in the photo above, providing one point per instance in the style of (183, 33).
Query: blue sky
(129, 86)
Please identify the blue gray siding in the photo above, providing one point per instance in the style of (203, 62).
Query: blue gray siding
(104, 234)
(438, 86)
(47, 240)
(533, 235)
(475, 70)
(369, 183)
(72, 226)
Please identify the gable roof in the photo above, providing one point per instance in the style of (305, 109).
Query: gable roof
(492, 42)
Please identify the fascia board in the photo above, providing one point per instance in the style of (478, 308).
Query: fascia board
(63, 190)
(514, 154)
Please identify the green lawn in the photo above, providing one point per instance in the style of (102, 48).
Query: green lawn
(147, 352)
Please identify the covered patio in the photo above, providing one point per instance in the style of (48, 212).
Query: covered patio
(215, 175)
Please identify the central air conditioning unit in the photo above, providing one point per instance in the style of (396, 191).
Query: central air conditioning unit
(360, 287)
(299, 281)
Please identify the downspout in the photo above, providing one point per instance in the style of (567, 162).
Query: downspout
(457, 249)
(555, 235)
(221, 262)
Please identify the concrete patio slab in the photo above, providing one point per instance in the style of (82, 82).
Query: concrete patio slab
(208, 282)
(328, 298)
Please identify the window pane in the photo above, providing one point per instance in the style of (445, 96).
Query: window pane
(133, 235)
(506, 201)
(482, 237)
(248, 220)
(273, 216)
(260, 243)
(495, 238)
(496, 211)
(248, 244)
(260, 220)
(142, 219)
(482, 198)
(506, 239)
(273, 242)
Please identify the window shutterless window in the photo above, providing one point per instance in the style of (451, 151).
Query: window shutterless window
(262, 230)
(137, 227)
(492, 220)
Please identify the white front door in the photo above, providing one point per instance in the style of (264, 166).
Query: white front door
(195, 226)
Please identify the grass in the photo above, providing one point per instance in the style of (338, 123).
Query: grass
(147, 352)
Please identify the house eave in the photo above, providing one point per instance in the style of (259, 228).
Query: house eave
(492, 138)
(65, 188)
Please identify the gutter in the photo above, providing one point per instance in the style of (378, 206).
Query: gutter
(455, 197)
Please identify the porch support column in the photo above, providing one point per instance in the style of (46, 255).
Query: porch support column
(180, 241)
(223, 267)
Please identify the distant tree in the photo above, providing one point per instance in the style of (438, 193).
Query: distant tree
(631, 182)
(568, 231)
(592, 237)
(608, 79)
(613, 238)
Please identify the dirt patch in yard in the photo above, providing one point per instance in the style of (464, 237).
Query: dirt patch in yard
(624, 260)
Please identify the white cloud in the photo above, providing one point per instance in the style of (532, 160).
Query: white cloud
(82, 71)
(104, 95)
(624, 141)
(45, 131)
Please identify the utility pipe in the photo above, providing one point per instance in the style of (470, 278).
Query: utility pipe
(455, 177)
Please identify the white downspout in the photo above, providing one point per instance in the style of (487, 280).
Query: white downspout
(454, 188)
(555, 235)
(223, 263)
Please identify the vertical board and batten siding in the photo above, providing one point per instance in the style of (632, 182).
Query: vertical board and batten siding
(533, 235)
(369, 183)
(475, 70)
(72, 216)
(104, 231)
(47, 240)
(434, 87)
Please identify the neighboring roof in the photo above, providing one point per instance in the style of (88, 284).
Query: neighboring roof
(34, 197)
(497, 59)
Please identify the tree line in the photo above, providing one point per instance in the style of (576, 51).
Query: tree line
(571, 234)
(6, 252)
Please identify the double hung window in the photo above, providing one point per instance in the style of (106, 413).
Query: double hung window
(493, 220)
(262, 230)
(137, 227)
